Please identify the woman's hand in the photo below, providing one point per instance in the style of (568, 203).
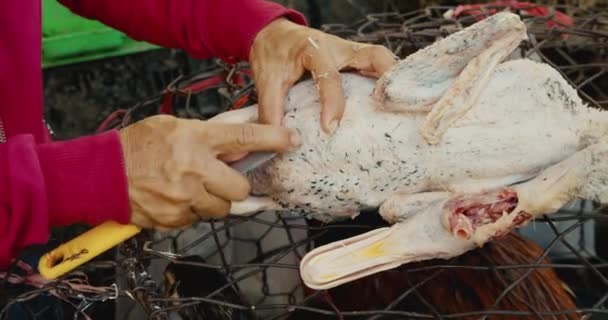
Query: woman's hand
(283, 51)
(173, 171)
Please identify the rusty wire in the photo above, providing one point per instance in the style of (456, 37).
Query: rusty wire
(245, 253)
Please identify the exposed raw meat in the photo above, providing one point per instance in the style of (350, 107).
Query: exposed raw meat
(466, 214)
(453, 144)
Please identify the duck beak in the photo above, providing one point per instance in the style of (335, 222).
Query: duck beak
(347, 260)
(421, 237)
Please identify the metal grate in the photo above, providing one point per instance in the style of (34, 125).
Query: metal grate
(247, 267)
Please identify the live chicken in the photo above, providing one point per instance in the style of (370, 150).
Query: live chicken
(454, 145)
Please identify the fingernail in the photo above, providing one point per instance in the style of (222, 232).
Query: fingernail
(333, 126)
(295, 139)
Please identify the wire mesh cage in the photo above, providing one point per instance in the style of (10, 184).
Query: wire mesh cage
(247, 267)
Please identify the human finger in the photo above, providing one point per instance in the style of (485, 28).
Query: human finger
(325, 73)
(208, 205)
(271, 94)
(228, 158)
(226, 182)
(176, 217)
(142, 221)
(249, 137)
(371, 60)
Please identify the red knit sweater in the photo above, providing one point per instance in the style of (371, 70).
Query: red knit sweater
(44, 183)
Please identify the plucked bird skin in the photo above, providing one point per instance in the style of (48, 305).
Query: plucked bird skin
(454, 145)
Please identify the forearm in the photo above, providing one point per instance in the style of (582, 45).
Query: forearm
(61, 183)
(203, 28)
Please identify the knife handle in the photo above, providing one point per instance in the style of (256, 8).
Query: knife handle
(83, 248)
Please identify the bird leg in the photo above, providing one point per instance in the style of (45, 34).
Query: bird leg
(483, 216)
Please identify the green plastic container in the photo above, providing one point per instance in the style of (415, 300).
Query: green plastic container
(68, 38)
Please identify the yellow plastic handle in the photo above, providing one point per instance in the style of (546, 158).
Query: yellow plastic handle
(85, 247)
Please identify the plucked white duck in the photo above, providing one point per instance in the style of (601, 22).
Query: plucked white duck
(453, 144)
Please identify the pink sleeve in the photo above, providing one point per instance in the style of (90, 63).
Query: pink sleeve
(59, 183)
(203, 28)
